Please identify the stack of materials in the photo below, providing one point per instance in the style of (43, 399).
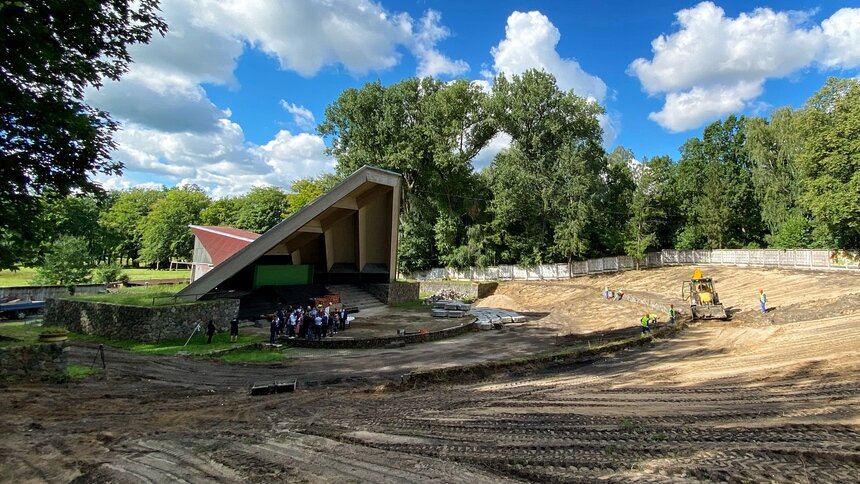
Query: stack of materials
(450, 309)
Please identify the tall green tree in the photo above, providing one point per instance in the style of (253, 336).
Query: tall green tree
(123, 224)
(66, 262)
(644, 213)
(261, 209)
(830, 163)
(774, 147)
(718, 197)
(221, 212)
(50, 139)
(305, 190)
(424, 129)
(165, 230)
(545, 185)
(615, 195)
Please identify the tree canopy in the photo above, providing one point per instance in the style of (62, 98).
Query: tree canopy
(50, 139)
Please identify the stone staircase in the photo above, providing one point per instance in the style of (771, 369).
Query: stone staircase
(354, 296)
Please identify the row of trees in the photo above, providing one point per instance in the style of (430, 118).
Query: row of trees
(554, 195)
(150, 226)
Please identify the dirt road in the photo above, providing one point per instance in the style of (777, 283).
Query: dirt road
(760, 398)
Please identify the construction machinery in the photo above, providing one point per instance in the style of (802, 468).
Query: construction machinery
(703, 297)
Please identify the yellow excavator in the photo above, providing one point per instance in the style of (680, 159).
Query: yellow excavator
(703, 297)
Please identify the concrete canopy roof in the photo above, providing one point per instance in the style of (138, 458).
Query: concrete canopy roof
(311, 220)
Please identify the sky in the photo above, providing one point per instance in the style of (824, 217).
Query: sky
(230, 97)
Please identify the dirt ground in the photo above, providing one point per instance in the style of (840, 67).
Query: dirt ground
(761, 398)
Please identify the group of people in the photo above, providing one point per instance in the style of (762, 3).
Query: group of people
(650, 319)
(311, 323)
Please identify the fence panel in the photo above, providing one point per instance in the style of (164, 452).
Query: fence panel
(819, 259)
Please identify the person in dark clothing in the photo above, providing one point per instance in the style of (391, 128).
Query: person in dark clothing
(234, 330)
(273, 330)
(210, 331)
(343, 320)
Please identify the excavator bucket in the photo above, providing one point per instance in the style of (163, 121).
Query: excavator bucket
(709, 311)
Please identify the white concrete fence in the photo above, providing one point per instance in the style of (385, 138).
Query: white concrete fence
(808, 259)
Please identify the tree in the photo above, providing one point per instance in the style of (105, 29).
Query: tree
(305, 190)
(614, 200)
(643, 213)
(830, 163)
(774, 147)
(544, 186)
(123, 221)
(67, 262)
(260, 209)
(424, 129)
(221, 212)
(718, 197)
(50, 140)
(165, 229)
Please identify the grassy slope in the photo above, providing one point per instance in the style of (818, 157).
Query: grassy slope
(23, 276)
(139, 295)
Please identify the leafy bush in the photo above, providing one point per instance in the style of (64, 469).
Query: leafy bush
(109, 273)
(67, 262)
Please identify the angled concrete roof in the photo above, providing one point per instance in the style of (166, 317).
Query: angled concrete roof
(310, 219)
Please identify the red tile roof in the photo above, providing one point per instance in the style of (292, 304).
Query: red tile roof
(222, 242)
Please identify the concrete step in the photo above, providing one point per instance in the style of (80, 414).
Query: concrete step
(355, 296)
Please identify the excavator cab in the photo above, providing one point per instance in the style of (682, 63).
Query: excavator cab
(703, 297)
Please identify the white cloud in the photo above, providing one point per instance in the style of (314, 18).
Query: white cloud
(715, 65)
(430, 61)
(174, 133)
(302, 116)
(530, 42)
(305, 36)
(842, 34)
(702, 104)
(499, 143)
(222, 162)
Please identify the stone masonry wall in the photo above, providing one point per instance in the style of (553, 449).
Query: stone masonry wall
(470, 290)
(138, 323)
(37, 362)
(393, 293)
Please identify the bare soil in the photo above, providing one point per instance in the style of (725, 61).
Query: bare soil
(761, 398)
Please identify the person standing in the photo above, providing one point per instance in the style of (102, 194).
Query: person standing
(273, 330)
(643, 324)
(234, 330)
(291, 331)
(318, 327)
(210, 330)
(762, 299)
(672, 314)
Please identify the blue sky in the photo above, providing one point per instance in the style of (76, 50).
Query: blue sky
(230, 97)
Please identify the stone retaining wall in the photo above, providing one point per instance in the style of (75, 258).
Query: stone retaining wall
(41, 293)
(138, 323)
(36, 362)
(394, 293)
(383, 341)
(474, 290)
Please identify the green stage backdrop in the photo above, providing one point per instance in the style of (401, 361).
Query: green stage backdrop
(283, 275)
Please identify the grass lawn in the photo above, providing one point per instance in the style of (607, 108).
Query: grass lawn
(253, 356)
(20, 277)
(79, 372)
(22, 333)
(28, 332)
(24, 275)
(143, 274)
(416, 304)
(139, 295)
(197, 346)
